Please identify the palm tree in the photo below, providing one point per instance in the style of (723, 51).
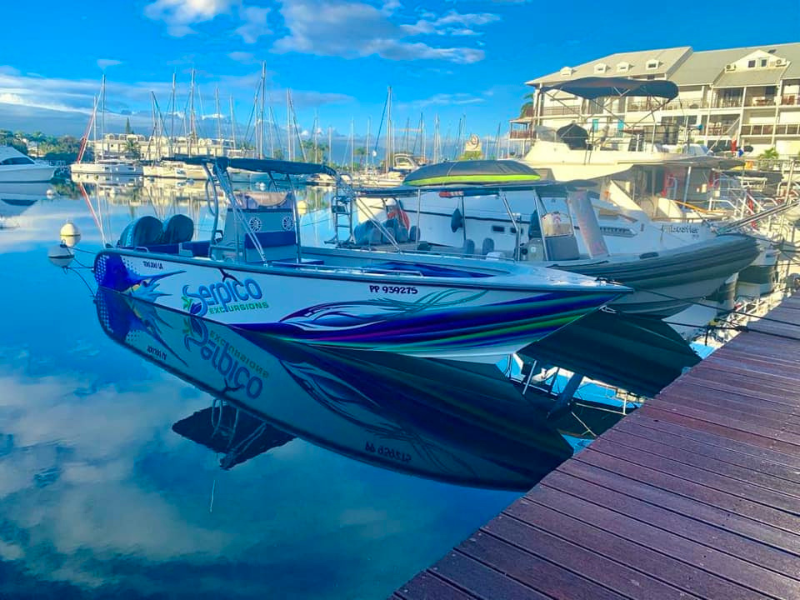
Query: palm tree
(526, 110)
(769, 154)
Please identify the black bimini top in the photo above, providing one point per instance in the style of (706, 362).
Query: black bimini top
(265, 165)
(466, 172)
(592, 88)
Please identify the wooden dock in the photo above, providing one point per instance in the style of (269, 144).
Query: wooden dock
(695, 495)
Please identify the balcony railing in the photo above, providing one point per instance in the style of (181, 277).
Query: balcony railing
(760, 101)
(769, 130)
(521, 134)
(790, 101)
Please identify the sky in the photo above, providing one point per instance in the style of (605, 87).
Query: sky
(464, 59)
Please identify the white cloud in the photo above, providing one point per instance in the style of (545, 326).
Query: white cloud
(242, 57)
(180, 15)
(104, 63)
(451, 24)
(318, 28)
(457, 99)
(254, 24)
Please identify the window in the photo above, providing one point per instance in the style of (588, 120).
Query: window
(652, 65)
(566, 71)
(600, 68)
(763, 62)
(751, 64)
(17, 160)
(623, 67)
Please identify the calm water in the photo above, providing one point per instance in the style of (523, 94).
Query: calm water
(99, 497)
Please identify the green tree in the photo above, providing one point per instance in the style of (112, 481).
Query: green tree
(526, 110)
(769, 154)
(132, 149)
(471, 155)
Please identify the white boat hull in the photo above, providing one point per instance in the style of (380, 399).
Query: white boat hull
(37, 173)
(463, 318)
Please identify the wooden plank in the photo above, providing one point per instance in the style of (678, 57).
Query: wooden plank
(482, 582)
(590, 565)
(531, 570)
(784, 399)
(717, 368)
(734, 405)
(708, 445)
(755, 439)
(724, 565)
(753, 475)
(775, 436)
(736, 504)
(426, 586)
(717, 481)
(774, 548)
(649, 563)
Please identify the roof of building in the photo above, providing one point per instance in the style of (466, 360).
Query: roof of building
(754, 77)
(703, 68)
(668, 59)
(685, 67)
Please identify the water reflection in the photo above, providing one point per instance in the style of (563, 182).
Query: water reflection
(16, 198)
(445, 421)
(110, 479)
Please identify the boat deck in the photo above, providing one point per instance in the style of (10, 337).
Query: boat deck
(695, 495)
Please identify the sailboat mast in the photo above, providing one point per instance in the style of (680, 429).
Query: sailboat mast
(262, 109)
(389, 128)
(191, 114)
(366, 144)
(233, 123)
(103, 116)
(172, 116)
(422, 134)
(437, 140)
(289, 139)
(219, 117)
(352, 144)
(330, 143)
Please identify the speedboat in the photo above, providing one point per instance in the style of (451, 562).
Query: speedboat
(15, 167)
(255, 275)
(434, 419)
(504, 210)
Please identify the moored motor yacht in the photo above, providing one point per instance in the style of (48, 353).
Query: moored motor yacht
(256, 276)
(15, 167)
(502, 209)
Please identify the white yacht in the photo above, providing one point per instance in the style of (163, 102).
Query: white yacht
(108, 170)
(15, 167)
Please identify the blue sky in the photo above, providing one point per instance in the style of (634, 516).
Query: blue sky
(450, 58)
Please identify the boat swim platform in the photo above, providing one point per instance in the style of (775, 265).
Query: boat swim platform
(694, 495)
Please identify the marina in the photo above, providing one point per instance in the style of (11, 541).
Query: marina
(691, 496)
(339, 301)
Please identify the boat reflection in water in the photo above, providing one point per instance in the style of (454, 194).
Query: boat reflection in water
(459, 423)
(16, 198)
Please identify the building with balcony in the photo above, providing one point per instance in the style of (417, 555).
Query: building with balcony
(734, 98)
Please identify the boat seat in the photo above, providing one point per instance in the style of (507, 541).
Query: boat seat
(366, 234)
(469, 247)
(144, 231)
(488, 246)
(562, 247)
(398, 231)
(413, 234)
(177, 230)
(535, 228)
(271, 239)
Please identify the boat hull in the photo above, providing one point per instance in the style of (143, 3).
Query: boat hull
(673, 280)
(27, 173)
(404, 314)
